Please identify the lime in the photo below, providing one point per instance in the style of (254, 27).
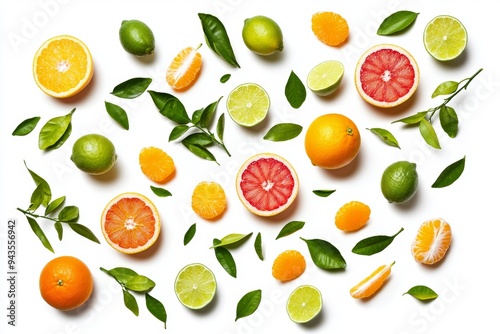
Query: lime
(445, 38)
(137, 38)
(304, 303)
(325, 77)
(399, 181)
(248, 104)
(262, 35)
(93, 154)
(195, 286)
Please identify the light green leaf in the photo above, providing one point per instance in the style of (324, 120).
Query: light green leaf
(428, 133)
(39, 233)
(84, 231)
(140, 283)
(258, 246)
(283, 132)
(232, 239)
(53, 130)
(445, 88)
(290, 228)
(130, 302)
(421, 292)
(386, 136)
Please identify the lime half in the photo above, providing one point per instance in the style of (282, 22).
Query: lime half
(195, 286)
(304, 304)
(445, 38)
(325, 77)
(248, 104)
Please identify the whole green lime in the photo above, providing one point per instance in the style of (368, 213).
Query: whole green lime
(137, 38)
(94, 154)
(399, 181)
(262, 35)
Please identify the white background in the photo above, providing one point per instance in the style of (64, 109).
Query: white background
(464, 280)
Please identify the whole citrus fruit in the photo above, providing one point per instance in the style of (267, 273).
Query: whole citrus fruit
(65, 283)
(399, 181)
(94, 154)
(137, 38)
(262, 35)
(332, 141)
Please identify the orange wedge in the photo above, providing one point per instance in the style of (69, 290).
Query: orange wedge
(156, 164)
(330, 28)
(372, 283)
(432, 241)
(352, 216)
(184, 69)
(288, 265)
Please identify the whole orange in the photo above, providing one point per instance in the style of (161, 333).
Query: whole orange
(332, 141)
(66, 283)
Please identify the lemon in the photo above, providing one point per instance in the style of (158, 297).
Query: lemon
(93, 154)
(195, 286)
(137, 38)
(399, 181)
(262, 35)
(445, 38)
(248, 104)
(304, 304)
(325, 78)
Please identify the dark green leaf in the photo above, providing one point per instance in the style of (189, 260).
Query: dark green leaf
(188, 236)
(421, 292)
(121, 274)
(118, 114)
(225, 78)
(413, 119)
(39, 233)
(139, 283)
(159, 98)
(53, 130)
(450, 174)
(323, 193)
(248, 304)
(290, 228)
(196, 117)
(217, 38)
(220, 127)
(200, 151)
(396, 22)
(386, 136)
(225, 259)
(130, 302)
(84, 231)
(177, 132)
(446, 88)
(208, 113)
(174, 110)
(232, 239)
(295, 91)
(156, 308)
(160, 192)
(428, 133)
(54, 205)
(59, 229)
(198, 138)
(283, 132)
(26, 126)
(61, 140)
(132, 88)
(449, 121)
(373, 245)
(44, 186)
(69, 214)
(324, 254)
(257, 245)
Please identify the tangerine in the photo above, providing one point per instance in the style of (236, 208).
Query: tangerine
(352, 216)
(288, 265)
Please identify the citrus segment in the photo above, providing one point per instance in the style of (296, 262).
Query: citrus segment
(63, 66)
(195, 286)
(445, 38)
(372, 283)
(130, 223)
(248, 104)
(267, 184)
(208, 200)
(288, 265)
(304, 304)
(330, 28)
(262, 35)
(432, 241)
(352, 216)
(325, 78)
(156, 164)
(184, 68)
(386, 75)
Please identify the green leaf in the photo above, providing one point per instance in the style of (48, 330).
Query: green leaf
(198, 138)
(421, 292)
(428, 133)
(225, 78)
(69, 214)
(217, 38)
(386, 136)
(196, 116)
(290, 228)
(248, 304)
(130, 302)
(156, 308)
(208, 113)
(232, 239)
(257, 245)
(174, 110)
(84, 231)
(445, 88)
(59, 229)
(53, 130)
(190, 233)
(373, 245)
(160, 192)
(26, 126)
(160, 98)
(225, 259)
(200, 151)
(324, 254)
(413, 119)
(449, 121)
(140, 283)
(396, 22)
(121, 274)
(37, 197)
(132, 88)
(283, 132)
(323, 193)
(61, 140)
(44, 186)
(177, 132)
(220, 127)
(295, 91)
(450, 174)
(54, 205)
(118, 114)
(39, 233)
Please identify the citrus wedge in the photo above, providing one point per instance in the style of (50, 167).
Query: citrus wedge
(184, 68)
(432, 241)
(445, 38)
(325, 77)
(372, 283)
(304, 304)
(195, 286)
(248, 104)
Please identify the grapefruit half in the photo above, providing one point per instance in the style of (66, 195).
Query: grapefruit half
(267, 184)
(130, 223)
(386, 75)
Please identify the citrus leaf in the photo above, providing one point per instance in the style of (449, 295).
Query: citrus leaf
(413, 119)
(231, 239)
(295, 91)
(121, 274)
(257, 245)
(59, 230)
(84, 231)
(26, 126)
(53, 130)
(396, 22)
(160, 98)
(283, 132)
(130, 302)
(39, 233)
(196, 116)
(156, 308)
(160, 192)
(324, 254)
(375, 244)
(248, 304)
(199, 138)
(450, 174)
(225, 78)
(449, 121)
(68, 214)
(290, 228)
(323, 193)
(118, 114)
(386, 136)
(177, 132)
(225, 258)
(132, 88)
(208, 113)
(139, 283)
(428, 133)
(445, 88)
(199, 151)
(44, 186)
(421, 292)
(54, 205)
(175, 111)
(220, 127)
(36, 198)
(61, 140)
(188, 236)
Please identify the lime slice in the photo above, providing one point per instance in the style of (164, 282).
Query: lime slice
(248, 104)
(445, 38)
(325, 77)
(304, 304)
(195, 286)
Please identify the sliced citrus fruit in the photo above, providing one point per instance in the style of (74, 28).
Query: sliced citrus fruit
(304, 304)
(195, 286)
(156, 164)
(445, 38)
(267, 184)
(432, 241)
(352, 216)
(372, 283)
(63, 66)
(325, 78)
(330, 28)
(130, 223)
(386, 75)
(184, 68)
(288, 265)
(208, 200)
(248, 104)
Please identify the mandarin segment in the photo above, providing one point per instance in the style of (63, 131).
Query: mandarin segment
(372, 283)
(156, 164)
(288, 265)
(330, 28)
(352, 216)
(208, 200)
(184, 68)
(432, 241)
